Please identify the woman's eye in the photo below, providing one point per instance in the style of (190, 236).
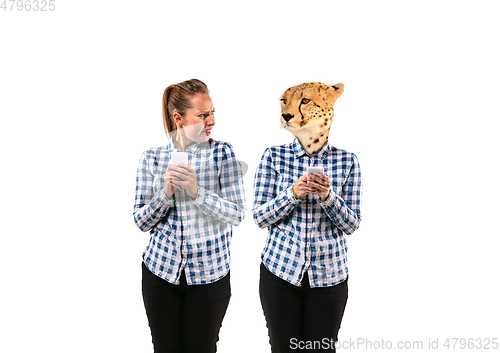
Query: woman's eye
(305, 100)
(203, 116)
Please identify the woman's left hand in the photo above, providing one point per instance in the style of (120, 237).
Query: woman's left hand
(320, 184)
(186, 177)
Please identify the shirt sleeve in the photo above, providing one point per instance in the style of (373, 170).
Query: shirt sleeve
(230, 206)
(269, 207)
(345, 210)
(149, 208)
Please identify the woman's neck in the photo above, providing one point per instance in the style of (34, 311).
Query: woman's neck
(182, 142)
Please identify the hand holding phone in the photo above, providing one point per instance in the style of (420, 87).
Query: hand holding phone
(176, 158)
(319, 185)
(303, 185)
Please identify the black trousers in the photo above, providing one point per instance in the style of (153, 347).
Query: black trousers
(182, 318)
(301, 319)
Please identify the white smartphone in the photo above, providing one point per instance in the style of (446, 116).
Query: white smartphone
(315, 170)
(179, 158)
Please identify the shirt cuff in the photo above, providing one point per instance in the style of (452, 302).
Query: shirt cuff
(330, 200)
(164, 200)
(200, 197)
(290, 196)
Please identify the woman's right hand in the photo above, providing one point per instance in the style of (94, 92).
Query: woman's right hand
(301, 188)
(169, 187)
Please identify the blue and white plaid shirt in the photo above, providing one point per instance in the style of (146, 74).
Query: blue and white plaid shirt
(188, 234)
(307, 234)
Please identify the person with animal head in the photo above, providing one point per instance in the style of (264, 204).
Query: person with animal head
(307, 112)
(304, 273)
(189, 210)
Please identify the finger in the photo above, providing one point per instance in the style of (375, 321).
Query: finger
(185, 168)
(300, 189)
(304, 183)
(316, 184)
(171, 186)
(177, 188)
(317, 177)
(176, 184)
(167, 176)
(174, 177)
(304, 177)
(181, 182)
(304, 187)
(314, 190)
(320, 187)
(183, 172)
(325, 179)
(179, 175)
(322, 179)
(311, 179)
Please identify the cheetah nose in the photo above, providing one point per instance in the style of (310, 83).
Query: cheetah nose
(287, 117)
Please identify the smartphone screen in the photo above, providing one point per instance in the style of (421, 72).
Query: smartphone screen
(315, 170)
(179, 158)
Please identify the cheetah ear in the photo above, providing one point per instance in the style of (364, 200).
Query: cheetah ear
(339, 87)
(338, 90)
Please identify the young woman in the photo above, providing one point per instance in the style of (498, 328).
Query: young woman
(189, 210)
(303, 274)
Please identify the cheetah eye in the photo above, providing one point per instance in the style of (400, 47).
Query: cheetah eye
(305, 100)
(283, 101)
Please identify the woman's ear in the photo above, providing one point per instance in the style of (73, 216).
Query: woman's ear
(177, 118)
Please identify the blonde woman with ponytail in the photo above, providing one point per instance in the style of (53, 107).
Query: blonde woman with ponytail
(189, 210)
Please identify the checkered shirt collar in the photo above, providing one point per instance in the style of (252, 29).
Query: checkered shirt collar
(193, 148)
(299, 151)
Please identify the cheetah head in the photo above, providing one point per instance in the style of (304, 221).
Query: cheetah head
(307, 112)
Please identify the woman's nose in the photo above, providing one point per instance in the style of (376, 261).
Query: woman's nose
(211, 119)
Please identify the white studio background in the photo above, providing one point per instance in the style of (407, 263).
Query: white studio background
(80, 92)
